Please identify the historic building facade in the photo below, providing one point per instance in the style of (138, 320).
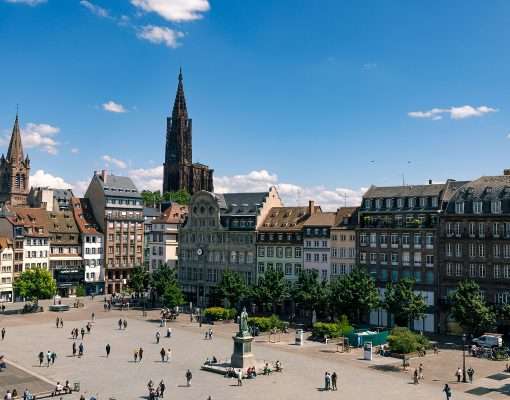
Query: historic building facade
(220, 234)
(117, 207)
(317, 233)
(475, 240)
(280, 240)
(179, 170)
(398, 238)
(343, 241)
(14, 171)
(6, 269)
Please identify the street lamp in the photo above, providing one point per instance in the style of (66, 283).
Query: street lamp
(464, 358)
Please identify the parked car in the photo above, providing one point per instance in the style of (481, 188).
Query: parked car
(489, 340)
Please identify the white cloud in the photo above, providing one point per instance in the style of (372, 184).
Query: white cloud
(160, 35)
(45, 179)
(115, 161)
(114, 107)
(147, 178)
(80, 187)
(41, 136)
(174, 10)
(95, 9)
(292, 194)
(75, 150)
(27, 2)
(455, 112)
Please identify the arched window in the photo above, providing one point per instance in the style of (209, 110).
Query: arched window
(18, 181)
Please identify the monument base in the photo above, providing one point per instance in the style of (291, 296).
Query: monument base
(242, 356)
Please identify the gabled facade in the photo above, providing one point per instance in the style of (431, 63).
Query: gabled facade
(14, 171)
(343, 241)
(6, 269)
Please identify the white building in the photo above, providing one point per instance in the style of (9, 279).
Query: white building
(6, 269)
(163, 239)
(92, 242)
(316, 246)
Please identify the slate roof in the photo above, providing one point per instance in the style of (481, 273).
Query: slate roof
(120, 186)
(348, 213)
(451, 188)
(285, 219)
(240, 204)
(484, 188)
(151, 212)
(404, 191)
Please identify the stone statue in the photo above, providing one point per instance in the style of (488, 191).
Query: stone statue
(243, 323)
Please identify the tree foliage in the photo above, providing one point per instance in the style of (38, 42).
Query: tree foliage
(181, 197)
(35, 284)
(401, 301)
(232, 288)
(310, 293)
(271, 289)
(164, 282)
(353, 294)
(139, 280)
(154, 199)
(470, 310)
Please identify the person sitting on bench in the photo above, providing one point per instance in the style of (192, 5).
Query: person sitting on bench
(58, 389)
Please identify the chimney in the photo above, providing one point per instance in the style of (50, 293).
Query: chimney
(430, 181)
(104, 174)
(506, 171)
(311, 207)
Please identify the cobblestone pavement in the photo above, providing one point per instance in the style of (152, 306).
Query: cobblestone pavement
(120, 378)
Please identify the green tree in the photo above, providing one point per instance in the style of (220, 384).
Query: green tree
(35, 284)
(310, 293)
(470, 310)
(401, 301)
(271, 289)
(232, 288)
(151, 199)
(164, 282)
(172, 296)
(139, 280)
(353, 294)
(181, 197)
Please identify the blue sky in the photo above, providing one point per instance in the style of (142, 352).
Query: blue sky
(314, 96)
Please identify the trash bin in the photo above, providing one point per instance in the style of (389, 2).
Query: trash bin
(299, 337)
(367, 351)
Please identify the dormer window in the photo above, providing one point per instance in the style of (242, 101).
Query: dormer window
(459, 207)
(496, 206)
(477, 207)
(423, 202)
(368, 203)
(411, 202)
(400, 202)
(389, 203)
(378, 203)
(434, 202)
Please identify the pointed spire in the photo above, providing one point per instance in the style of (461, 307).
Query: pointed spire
(180, 109)
(15, 151)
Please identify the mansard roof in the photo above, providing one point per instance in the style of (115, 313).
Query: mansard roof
(484, 188)
(404, 191)
(240, 204)
(285, 219)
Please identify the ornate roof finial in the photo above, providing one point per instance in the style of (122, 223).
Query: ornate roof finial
(180, 74)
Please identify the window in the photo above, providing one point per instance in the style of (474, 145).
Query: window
(297, 252)
(477, 207)
(429, 260)
(395, 240)
(297, 269)
(449, 249)
(270, 252)
(481, 250)
(472, 250)
(456, 227)
(481, 270)
(383, 240)
(458, 269)
(389, 203)
(363, 257)
(417, 259)
(506, 251)
(378, 203)
(497, 271)
(472, 229)
(495, 229)
(400, 202)
(324, 258)
(458, 250)
(406, 258)
(496, 206)
(383, 257)
(373, 239)
(411, 202)
(449, 269)
(363, 239)
(449, 230)
(459, 207)
(316, 257)
(472, 270)
(423, 202)
(496, 251)
(288, 269)
(324, 243)
(373, 258)
(279, 252)
(288, 252)
(394, 258)
(417, 240)
(481, 229)
(368, 203)
(429, 240)
(434, 202)
(261, 251)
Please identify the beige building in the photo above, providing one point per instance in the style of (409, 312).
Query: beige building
(6, 270)
(343, 241)
(163, 239)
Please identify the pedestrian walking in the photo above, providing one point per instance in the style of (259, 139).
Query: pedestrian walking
(333, 380)
(239, 378)
(415, 376)
(458, 374)
(3, 333)
(125, 324)
(135, 355)
(61, 322)
(82, 333)
(41, 358)
(48, 358)
(74, 349)
(471, 373)
(57, 322)
(189, 376)
(108, 348)
(210, 333)
(447, 391)
(80, 350)
(53, 357)
(168, 354)
(327, 381)
(420, 372)
(157, 337)
(140, 354)
(169, 333)
(105, 307)
(120, 324)
(162, 353)
(162, 388)
(93, 317)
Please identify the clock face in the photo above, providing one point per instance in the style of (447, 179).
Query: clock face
(200, 252)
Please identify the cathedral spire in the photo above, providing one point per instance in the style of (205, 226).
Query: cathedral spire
(15, 151)
(180, 101)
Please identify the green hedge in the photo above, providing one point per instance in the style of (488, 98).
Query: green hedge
(219, 313)
(266, 323)
(404, 341)
(333, 329)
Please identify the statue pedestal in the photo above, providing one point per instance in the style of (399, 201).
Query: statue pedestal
(242, 356)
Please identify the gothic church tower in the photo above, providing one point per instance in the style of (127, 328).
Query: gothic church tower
(14, 171)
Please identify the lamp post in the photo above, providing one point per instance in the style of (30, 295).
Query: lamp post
(464, 358)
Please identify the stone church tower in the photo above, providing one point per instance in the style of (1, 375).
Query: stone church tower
(14, 171)
(179, 170)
